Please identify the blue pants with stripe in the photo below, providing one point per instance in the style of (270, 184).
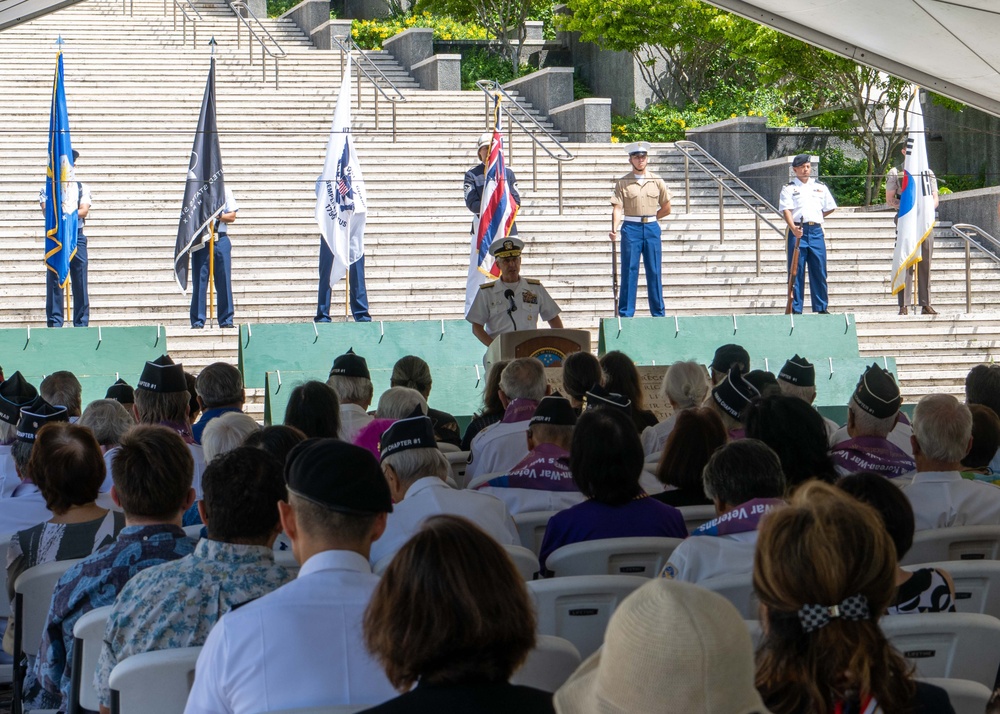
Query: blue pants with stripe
(641, 240)
(812, 254)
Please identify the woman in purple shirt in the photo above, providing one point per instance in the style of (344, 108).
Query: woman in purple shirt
(606, 460)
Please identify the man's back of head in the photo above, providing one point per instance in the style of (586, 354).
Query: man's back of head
(63, 389)
(152, 473)
(220, 385)
(942, 428)
(241, 492)
(982, 386)
(351, 380)
(524, 378)
(741, 471)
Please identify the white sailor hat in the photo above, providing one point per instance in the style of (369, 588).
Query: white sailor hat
(484, 139)
(509, 247)
(637, 147)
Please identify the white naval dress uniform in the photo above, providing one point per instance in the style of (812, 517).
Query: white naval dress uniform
(942, 499)
(430, 496)
(525, 500)
(352, 420)
(702, 557)
(490, 307)
(497, 449)
(8, 473)
(299, 646)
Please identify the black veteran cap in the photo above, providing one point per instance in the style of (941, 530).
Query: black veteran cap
(798, 371)
(728, 355)
(598, 396)
(554, 410)
(35, 416)
(350, 365)
(162, 375)
(121, 392)
(342, 477)
(877, 393)
(734, 393)
(415, 432)
(510, 247)
(800, 159)
(15, 393)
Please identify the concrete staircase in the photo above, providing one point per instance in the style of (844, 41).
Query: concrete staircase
(134, 91)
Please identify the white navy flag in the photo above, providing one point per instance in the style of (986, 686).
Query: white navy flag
(341, 202)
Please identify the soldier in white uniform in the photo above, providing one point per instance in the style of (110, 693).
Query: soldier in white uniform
(804, 204)
(301, 645)
(511, 303)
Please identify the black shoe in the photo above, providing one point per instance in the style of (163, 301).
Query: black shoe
(228, 326)
(928, 310)
(823, 312)
(904, 310)
(198, 326)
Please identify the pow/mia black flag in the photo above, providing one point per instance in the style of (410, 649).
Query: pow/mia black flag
(205, 192)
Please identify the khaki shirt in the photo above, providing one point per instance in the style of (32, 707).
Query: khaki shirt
(892, 182)
(642, 199)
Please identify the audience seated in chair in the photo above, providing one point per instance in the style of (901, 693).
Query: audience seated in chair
(395, 403)
(622, 377)
(692, 646)
(796, 433)
(985, 442)
(226, 432)
(580, 371)
(15, 392)
(152, 484)
(725, 359)
(500, 446)
(452, 616)
(413, 372)
(797, 378)
(982, 386)
(63, 389)
(923, 590)
(825, 572)
(301, 645)
(492, 410)
(606, 461)
(541, 481)
(314, 409)
(872, 414)
(730, 398)
(901, 431)
(351, 380)
(685, 386)
(220, 390)
(108, 420)
(277, 440)
(416, 471)
(176, 604)
(942, 435)
(745, 482)
(698, 433)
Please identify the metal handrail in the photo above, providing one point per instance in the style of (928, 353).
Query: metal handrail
(989, 246)
(237, 6)
(688, 149)
(363, 62)
(185, 18)
(491, 88)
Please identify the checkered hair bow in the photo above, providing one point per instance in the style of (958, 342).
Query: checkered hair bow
(813, 617)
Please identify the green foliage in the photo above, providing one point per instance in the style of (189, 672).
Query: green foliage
(949, 183)
(580, 88)
(370, 34)
(485, 63)
(276, 8)
(846, 178)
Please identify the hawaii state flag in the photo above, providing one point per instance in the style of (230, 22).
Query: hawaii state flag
(496, 215)
(341, 199)
(916, 201)
(62, 194)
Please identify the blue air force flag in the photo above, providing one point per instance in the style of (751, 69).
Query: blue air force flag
(62, 194)
(341, 203)
(916, 200)
(205, 190)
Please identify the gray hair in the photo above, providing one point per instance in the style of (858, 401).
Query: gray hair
(352, 390)
(63, 389)
(686, 384)
(413, 464)
(399, 403)
(8, 432)
(741, 471)
(225, 433)
(942, 427)
(20, 452)
(108, 420)
(806, 394)
(220, 385)
(866, 424)
(524, 378)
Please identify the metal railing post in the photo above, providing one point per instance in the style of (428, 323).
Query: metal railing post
(375, 94)
(559, 173)
(359, 90)
(175, 17)
(341, 66)
(687, 184)
(510, 138)
(275, 72)
(968, 278)
(486, 111)
(722, 214)
(534, 166)
(757, 241)
(194, 34)
(164, 7)
(393, 121)
(239, 33)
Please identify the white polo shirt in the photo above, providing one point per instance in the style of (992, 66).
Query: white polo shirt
(299, 646)
(352, 420)
(497, 449)
(942, 499)
(702, 557)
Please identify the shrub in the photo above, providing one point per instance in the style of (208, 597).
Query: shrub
(370, 34)
(488, 63)
(845, 177)
(276, 8)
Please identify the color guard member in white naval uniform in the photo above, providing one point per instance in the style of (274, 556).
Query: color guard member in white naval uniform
(511, 303)
(804, 203)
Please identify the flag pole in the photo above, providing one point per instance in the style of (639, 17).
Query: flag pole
(347, 294)
(211, 271)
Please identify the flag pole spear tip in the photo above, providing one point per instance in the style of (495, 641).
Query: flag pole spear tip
(59, 42)
(212, 43)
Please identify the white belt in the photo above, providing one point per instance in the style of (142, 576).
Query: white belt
(640, 219)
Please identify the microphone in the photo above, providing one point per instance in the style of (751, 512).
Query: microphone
(509, 294)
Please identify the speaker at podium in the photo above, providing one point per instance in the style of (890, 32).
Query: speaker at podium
(550, 346)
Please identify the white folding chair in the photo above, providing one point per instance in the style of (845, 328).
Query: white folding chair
(737, 589)
(335, 709)
(977, 584)
(459, 461)
(483, 478)
(445, 448)
(549, 665)
(153, 682)
(647, 479)
(948, 644)
(966, 697)
(194, 532)
(958, 543)
(32, 599)
(644, 557)
(6, 670)
(695, 516)
(531, 528)
(578, 607)
(525, 561)
(88, 639)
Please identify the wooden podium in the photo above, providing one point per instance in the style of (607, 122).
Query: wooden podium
(547, 345)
